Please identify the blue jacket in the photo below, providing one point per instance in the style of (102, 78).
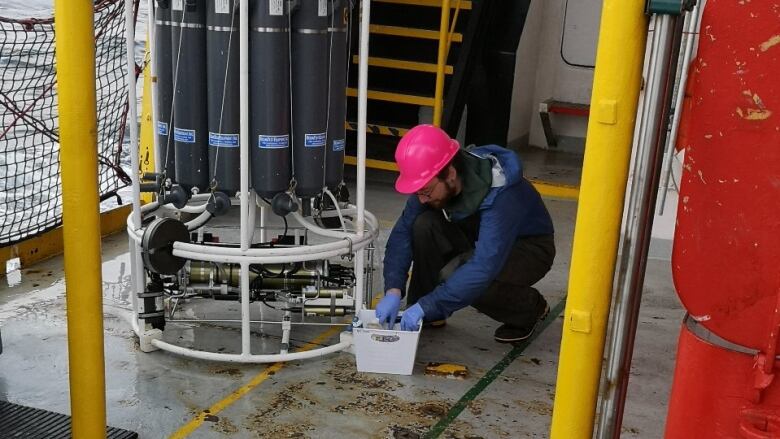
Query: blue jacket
(507, 213)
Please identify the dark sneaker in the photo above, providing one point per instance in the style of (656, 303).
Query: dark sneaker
(435, 323)
(513, 334)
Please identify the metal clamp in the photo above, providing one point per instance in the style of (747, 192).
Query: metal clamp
(350, 255)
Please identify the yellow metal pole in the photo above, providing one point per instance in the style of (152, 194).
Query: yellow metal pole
(146, 145)
(616, 85)
(444, 27)
(75, 45)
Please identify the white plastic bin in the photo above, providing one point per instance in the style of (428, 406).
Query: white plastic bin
(384, 350)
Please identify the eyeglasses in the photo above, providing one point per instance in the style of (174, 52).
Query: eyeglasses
(427, 193)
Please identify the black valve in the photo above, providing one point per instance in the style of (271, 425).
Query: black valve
(177, 196)
(218, 204)
(283, 203)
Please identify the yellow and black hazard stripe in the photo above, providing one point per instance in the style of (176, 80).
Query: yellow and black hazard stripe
(379, 129)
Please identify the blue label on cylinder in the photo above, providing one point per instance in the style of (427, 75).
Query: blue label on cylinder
(338, 144)
(162, 128)
(273, 142)
(315, 140)
(223, 140)
(184, 136)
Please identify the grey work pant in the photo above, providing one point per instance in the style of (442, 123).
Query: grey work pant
(440, 246)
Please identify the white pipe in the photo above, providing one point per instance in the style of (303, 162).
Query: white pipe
(365, 21)
(337, 207)
(263, 222)
(359, 283)
(246, 346)
(198, 221)
(237, 358)
(243, 17)
(324, 232)
(132, 106)
(286, 327)
(274, 251)
(150, 34)
(356, 241)
(188, 209)
(250, 230)
(200, 256)
(134, 269)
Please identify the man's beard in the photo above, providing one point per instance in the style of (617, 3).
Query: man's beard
(449, 194)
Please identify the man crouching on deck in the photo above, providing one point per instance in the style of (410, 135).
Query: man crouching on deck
(477, 232)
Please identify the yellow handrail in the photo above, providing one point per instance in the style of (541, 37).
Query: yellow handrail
(75, 45)
(616, 82)
(452, 26)
(438, 97)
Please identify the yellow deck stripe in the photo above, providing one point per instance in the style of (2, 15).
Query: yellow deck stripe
(464, 4)
(373, 164)
(49, 244)
(394, 97)
(545, 188)
(556, 190)
(402, 64)
(193, 425)
(411, 32)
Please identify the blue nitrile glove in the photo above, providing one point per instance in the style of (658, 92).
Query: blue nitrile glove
(410, 321)
(387, 309)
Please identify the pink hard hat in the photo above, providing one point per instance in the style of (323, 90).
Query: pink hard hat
(421, 154)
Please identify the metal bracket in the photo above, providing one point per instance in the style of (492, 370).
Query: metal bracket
(669, 7)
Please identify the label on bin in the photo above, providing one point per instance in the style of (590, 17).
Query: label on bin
(275, 7)
(315, 140)
(221, 7)
(338, 145)
(223, 140)
(178, 5)
(385, 338)
(162, 128)
(184, 136)
(322, 9)
(273, 142)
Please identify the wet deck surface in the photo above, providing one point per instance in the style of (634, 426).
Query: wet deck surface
(160, 394)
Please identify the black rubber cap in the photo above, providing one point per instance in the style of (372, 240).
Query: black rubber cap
(157, 245)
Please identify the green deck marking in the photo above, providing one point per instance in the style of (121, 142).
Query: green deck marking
(492, 374)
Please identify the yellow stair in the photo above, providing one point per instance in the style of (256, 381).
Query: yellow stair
(402, 65)
(411, 32)
(400, 98)
(464, 4)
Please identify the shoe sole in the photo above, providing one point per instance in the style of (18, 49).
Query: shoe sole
(530, 333)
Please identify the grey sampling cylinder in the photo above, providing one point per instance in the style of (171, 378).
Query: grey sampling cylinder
(222, 67)
(269, 92)
(163, 65)
(337, 113)
(190, 120)
(309, 94)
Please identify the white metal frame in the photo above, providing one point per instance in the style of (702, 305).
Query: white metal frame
(342, 243)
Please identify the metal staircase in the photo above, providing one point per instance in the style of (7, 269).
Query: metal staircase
(425, 59)
(413, 47)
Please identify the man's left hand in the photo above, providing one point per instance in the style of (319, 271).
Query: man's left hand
(410, 321)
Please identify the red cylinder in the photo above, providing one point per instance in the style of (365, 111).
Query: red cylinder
(727, 240)
(713, 394)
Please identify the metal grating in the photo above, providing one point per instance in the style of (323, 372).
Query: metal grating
(18, 421)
